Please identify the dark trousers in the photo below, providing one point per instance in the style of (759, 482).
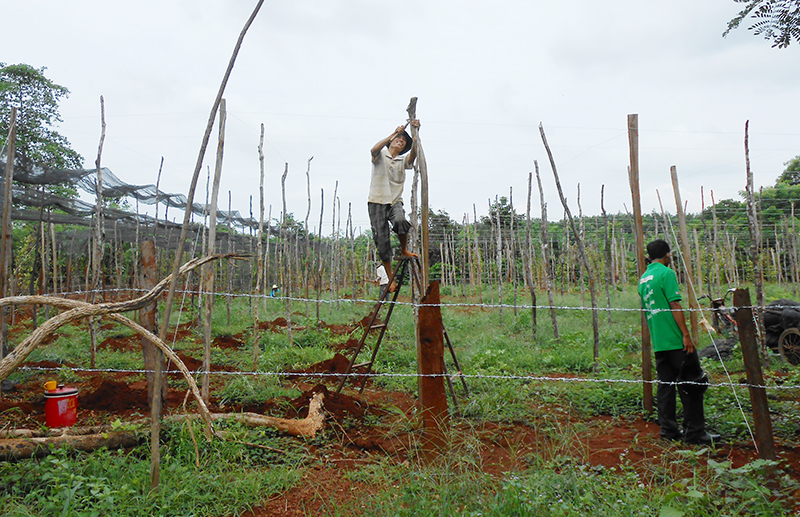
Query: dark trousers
(670, 367)
(379, 218)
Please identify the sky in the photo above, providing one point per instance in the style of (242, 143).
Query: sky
(329, 79)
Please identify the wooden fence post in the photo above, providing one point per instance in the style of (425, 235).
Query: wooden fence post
(6, 247)
(633, 175)
(687, 256)
(752, 365)
(432, 395)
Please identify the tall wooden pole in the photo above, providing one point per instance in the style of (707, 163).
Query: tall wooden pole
(207, 270)
(755, 238)
(422, 166)
(6, 246)
(581, 250)
(97, 249)
(633, 175)
(686, 249)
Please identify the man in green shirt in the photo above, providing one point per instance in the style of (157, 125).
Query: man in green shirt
(676, 356)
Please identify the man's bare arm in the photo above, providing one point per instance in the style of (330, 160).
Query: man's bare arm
(680, 319)
(382, 143)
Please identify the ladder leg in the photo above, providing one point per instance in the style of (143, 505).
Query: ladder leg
(455, 360)
(450, 387)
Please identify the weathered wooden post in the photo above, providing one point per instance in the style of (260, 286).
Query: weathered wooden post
(687, 256)
(633, 176)
(207, 271)
(153, 361)
(6, 246)
(432, 395)
(752, 365)
(423, 176)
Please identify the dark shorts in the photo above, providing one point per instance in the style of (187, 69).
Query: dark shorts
(379, 218)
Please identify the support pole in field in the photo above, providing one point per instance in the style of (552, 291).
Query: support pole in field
(432, 395)
(422, 165)
(755, 240)
(633, 176)
(207, 272)
(581, 250)
(98, 248)
(6, 246)
(153, 360)
(752, 365)
(686, 250)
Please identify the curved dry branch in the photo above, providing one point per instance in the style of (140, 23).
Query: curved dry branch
(65, 303)
(78, 309)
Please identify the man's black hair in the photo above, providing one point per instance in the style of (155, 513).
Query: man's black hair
(657, 249)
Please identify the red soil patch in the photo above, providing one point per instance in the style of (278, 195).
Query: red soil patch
(121, 343)
(227, 342)
(348, 346)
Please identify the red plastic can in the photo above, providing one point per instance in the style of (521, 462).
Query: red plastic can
(61, 407)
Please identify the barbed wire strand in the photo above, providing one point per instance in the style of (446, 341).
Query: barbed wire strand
(420, 375)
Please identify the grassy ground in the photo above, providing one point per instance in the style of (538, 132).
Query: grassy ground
(506, 365)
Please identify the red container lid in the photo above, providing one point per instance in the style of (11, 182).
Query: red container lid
(61, 392)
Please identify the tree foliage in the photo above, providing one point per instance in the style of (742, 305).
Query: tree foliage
(791, 175)
(776, 20)
(36, 99)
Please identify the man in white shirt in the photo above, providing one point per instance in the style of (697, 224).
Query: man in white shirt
(382, 279)
(390, 159)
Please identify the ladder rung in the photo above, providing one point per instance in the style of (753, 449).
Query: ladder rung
(361, 365)
(378, 326)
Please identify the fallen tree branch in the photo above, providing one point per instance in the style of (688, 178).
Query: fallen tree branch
(24, 443)
(78, 309)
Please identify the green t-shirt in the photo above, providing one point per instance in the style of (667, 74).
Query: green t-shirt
(657, 288)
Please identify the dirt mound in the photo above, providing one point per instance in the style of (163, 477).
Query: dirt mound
(337, 330)
(121, 343)
(47, 364)
(194, 365)
(337, 364)
(114, 396)
(348, 346)
(227, 341)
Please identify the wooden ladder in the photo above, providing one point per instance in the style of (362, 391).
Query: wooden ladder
(406, 266)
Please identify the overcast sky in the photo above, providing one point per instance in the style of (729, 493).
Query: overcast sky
(329, 79)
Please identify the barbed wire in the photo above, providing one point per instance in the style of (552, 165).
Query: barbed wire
(411, 304)
(477, 376)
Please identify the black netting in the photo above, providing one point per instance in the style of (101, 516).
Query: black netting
(113, 187)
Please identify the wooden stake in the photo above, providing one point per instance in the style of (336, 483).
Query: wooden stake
(581, 250)
(545, 247)
(686, 250)
(207, 272)
(432, 395)
(633, 176)
(7, 236)
(752, 364)
(422, 166)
